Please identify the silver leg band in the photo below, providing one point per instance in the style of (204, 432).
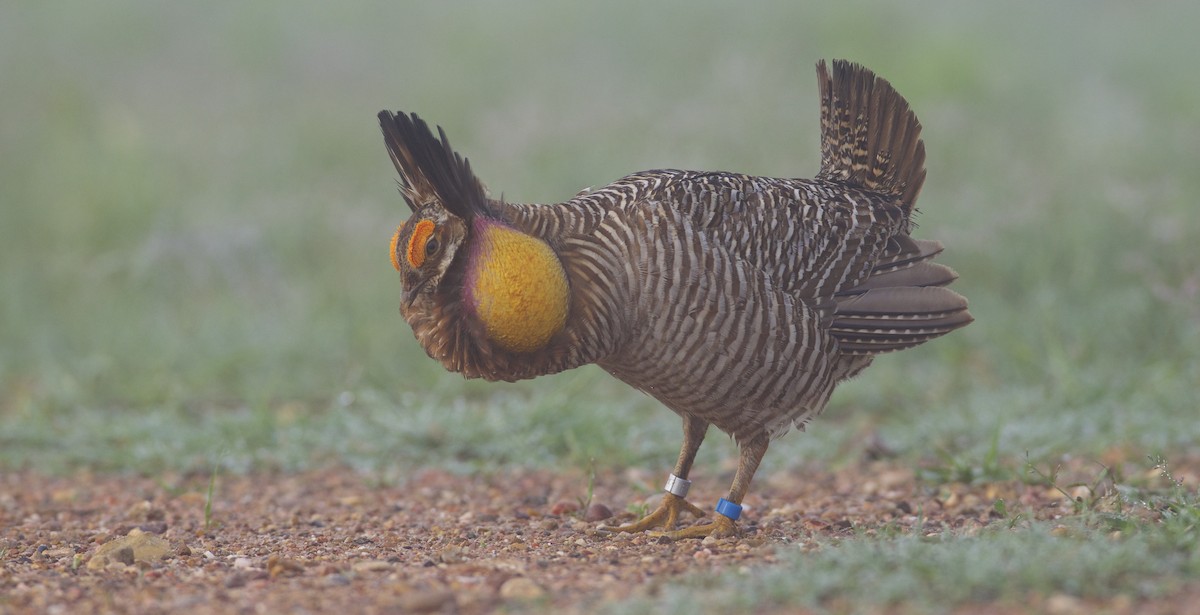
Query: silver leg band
(678, 486)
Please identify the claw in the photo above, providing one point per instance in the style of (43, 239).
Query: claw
(665, 516)
(721, 527)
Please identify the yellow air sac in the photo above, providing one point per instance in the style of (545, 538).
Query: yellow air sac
(517, 288)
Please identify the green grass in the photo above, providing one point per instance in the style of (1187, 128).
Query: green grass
(937, 574)
(195, 205)
(1134, 541)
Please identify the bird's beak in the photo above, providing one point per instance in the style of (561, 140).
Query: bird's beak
(407, 297)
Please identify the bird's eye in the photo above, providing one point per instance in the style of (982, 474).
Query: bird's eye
(432, 246)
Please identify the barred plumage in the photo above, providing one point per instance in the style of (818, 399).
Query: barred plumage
(736, 301)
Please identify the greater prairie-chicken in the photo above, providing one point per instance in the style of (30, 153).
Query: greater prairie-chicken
(736, 301)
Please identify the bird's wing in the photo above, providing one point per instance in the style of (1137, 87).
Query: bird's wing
(812, 239)
(843, 251)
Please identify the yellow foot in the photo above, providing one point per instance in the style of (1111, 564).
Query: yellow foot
(721, 527)
(665, 516)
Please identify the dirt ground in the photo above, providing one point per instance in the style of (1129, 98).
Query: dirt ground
(331, 540)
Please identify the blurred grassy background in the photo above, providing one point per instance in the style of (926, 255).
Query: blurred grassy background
(195, 205)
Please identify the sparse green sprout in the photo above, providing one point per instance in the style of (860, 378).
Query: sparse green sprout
(1001, 508)
(208, 500)
(639, 509)
(585, 501)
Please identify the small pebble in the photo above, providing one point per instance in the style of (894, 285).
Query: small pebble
(154, 527)
(597, 512)
(235, 580)
(336, 580)
(371, 566)
(452, 555)
(563, 507)
(521, 588)
(427, 601)
(124, 555)
(278, 566)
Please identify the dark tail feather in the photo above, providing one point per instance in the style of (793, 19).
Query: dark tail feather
(904, 251)
(902, 304)
(924, 273)
(870, 138)
(906, 262)
(894, 318)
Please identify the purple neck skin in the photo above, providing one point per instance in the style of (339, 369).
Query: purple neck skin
(475, 258)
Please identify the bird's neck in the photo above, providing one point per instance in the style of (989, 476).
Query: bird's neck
(515, 286)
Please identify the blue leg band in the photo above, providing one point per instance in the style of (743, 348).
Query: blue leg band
(729, 509)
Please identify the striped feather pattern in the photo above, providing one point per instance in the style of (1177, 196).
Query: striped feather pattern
(735, 299)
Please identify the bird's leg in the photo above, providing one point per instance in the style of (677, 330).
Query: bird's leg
(730, 508)
(673, 503)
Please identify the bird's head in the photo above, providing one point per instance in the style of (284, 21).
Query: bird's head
(445, 197)
(455, 251)
(422, 249)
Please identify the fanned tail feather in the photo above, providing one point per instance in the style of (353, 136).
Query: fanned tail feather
(903, 251)
(870, 138)
(902, 304)
(895, 318)
(916, 275)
